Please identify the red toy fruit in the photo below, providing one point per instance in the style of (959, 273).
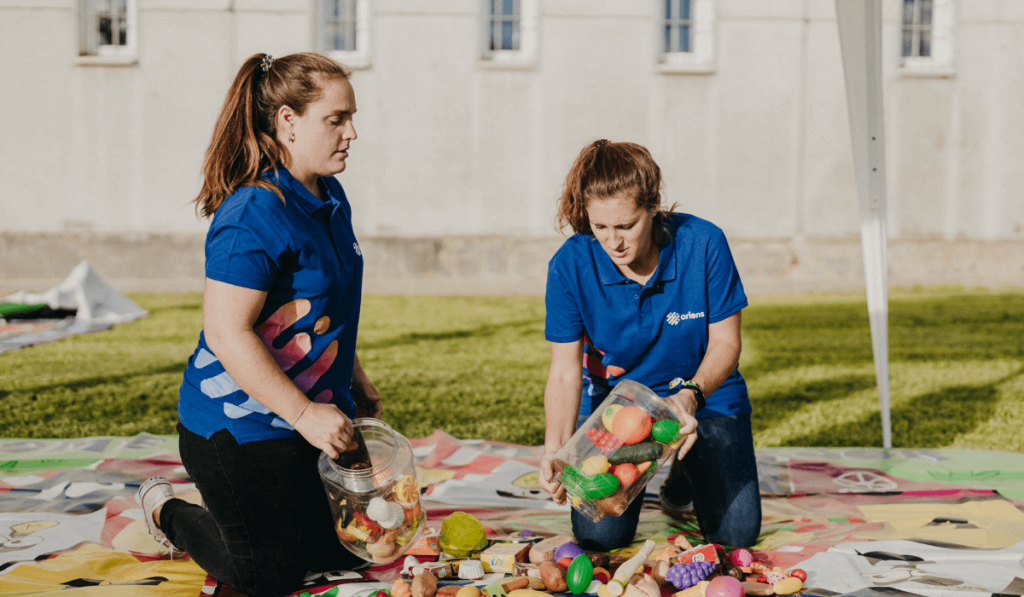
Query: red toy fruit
(626, 473)
(798, 573)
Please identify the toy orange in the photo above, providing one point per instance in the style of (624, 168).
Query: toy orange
(631, 425)
(407, 490)
(400, 588)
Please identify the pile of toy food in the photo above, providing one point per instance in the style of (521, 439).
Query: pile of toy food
(376, 529)
(453, 562)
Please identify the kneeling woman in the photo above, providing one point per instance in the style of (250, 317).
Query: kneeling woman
(275, 378)
(649, 295)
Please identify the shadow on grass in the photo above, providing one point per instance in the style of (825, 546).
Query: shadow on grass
(778, 405)
(90, 382)
(481, 331)
(932, 420)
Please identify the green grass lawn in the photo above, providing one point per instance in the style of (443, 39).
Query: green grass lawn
(476, 366)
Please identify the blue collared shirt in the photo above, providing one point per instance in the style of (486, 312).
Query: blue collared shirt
(303, 253)
(651, 333)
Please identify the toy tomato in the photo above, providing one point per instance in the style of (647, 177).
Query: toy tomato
(798, 573)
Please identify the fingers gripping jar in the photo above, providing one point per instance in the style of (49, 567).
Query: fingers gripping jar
(377, 511)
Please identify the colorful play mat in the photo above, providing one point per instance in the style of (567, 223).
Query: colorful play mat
(859, 521)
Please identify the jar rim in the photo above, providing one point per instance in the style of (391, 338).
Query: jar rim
(369, 423)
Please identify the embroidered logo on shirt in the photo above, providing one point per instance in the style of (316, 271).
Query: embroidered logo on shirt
(674, 318)
(356, 247)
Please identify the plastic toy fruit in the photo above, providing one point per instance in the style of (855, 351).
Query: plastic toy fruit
(568, 549)
(594, 465)
(407, 490)
(609, 415)
(724, 586)
(579, 574)
(665, 431)
(626, 473)
(683, 576)
(600, 486)
(637, 453)
(631, 424)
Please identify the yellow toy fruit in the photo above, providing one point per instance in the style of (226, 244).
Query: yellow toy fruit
(631, 425)
(595, 465)
(609, 415)
(787, 586)
(407, 490)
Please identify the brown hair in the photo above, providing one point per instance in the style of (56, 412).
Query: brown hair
(245, 143)
(605, 170)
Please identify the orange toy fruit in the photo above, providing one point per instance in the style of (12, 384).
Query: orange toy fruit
(407, 490)
(631, 425)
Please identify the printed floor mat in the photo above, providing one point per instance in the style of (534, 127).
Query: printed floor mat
(859, 521)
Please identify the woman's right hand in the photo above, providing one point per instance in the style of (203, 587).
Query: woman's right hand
(325, 427)
(547, 480)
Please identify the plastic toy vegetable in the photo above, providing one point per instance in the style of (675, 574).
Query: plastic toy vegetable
(579, 574)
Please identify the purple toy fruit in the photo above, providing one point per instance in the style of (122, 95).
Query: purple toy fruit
(684, 576)
(568, 550)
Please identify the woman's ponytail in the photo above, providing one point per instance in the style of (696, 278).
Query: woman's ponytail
(245, 143)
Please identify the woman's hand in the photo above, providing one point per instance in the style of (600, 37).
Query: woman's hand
(364, 393)
(325, 427)
(684, 404)
(547, 480)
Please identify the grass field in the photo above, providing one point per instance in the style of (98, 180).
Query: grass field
(476, 367)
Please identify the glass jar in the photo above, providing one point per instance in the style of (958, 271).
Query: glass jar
(376, 508)
(610, 459)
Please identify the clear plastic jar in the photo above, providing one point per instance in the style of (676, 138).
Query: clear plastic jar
(610, 459)
(377, 511)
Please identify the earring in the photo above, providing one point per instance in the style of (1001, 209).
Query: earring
(291, 138)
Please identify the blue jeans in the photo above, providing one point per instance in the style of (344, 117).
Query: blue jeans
(719, 474)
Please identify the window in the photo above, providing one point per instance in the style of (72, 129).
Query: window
(926, 37)
(917, 27)
(343, 31)
(677, 26)
(685, 29)
(107, 31)
(509, 32)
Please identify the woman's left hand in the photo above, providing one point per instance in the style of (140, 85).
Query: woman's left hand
(367, 399)
(684, 404)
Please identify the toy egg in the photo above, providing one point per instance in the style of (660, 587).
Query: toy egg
(741, 557)
(595, 465)
(609, 415)
(579, 574)
(724, 586)
(631, 425)
(665, 431)
(568, 550)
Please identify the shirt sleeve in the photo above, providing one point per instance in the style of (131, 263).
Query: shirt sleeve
(243, 248)
(725, 289)
(563, 321)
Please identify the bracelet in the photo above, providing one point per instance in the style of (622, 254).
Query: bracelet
(689, 384)
(308, 402)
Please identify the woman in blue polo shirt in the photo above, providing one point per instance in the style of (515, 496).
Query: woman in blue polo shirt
(649, 295)
(275, 378)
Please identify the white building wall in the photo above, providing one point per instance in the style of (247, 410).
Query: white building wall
(453, 146)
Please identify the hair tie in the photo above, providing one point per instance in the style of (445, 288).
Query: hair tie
(600, 143)
(268, 61)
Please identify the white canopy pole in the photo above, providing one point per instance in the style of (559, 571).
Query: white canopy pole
(860, 36)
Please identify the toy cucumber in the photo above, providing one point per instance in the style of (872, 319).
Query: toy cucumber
(636, 453)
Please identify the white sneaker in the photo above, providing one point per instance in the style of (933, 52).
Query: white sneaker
(153, 493)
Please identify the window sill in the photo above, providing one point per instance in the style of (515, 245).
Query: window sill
(685, 64)
(354, 60)
(508, 60)
(926, 70)
(112, 60)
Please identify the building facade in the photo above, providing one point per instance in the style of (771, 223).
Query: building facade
(470, 113)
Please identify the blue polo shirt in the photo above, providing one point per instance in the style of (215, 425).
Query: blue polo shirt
(304, 254)
(651, 333)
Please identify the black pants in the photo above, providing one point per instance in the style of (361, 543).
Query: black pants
(267, 520)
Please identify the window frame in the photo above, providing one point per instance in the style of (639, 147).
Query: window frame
(700, 59)
(523, 57)
(940, 61)
(91, 52)
(356, 59)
